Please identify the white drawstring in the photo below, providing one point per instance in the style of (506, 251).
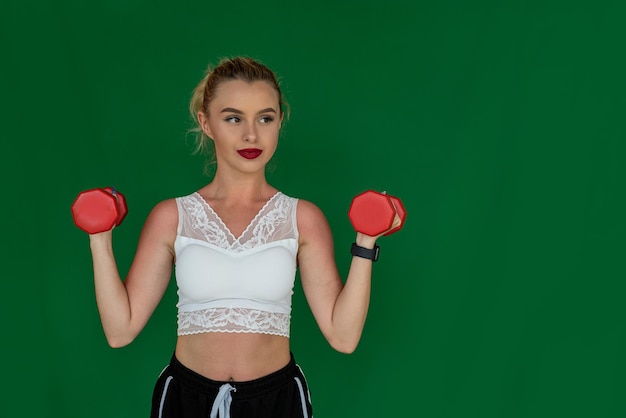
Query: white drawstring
(221, 406)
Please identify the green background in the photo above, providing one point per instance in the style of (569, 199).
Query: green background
(500, 125)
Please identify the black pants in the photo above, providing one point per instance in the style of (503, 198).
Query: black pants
(183, 393)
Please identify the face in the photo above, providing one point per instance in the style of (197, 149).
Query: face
(244, 122)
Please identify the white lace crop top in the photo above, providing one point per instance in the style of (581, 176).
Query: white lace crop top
(235, 284)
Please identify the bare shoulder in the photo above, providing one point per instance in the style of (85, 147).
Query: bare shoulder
(166, 209)
(163, 219)
(312, 222)
(309, 214)
(164, 212)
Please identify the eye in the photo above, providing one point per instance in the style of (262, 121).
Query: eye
(232, 119)
(266, 119)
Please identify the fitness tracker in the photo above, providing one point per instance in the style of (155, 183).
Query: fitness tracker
(370, 254)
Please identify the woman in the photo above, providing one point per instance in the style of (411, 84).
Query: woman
(235, 244)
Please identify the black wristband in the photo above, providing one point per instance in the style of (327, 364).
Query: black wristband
(370, 254)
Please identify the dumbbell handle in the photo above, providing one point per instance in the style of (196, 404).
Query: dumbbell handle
(400, 213)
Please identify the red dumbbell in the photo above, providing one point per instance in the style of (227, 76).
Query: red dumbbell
(98, 210)
(373, 213)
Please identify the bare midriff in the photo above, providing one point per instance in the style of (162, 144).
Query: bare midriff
(233, 357)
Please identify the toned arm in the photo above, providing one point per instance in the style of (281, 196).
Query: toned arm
(125, 306)
(339, 309)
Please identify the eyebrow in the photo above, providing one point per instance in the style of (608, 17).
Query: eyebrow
(239, 112)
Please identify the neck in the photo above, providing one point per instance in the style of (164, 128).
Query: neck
(224, 187)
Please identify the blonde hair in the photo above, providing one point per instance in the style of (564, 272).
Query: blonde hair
(237, 68)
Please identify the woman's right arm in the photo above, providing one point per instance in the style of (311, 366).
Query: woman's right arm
(125, 306)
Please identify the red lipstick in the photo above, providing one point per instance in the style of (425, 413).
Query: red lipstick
(250, 153)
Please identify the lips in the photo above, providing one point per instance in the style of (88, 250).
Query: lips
(250, 153)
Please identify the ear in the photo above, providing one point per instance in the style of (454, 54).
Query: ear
(280, 122)
(203, 120)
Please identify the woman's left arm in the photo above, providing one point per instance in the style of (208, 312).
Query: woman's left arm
(339, 309)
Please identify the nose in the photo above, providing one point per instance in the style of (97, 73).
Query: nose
(250, 134)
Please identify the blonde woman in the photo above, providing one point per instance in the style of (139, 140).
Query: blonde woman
(236, 244)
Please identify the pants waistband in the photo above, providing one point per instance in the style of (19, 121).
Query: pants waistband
(251, 388)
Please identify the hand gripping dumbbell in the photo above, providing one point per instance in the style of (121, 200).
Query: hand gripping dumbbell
(373, 213)
(98, 210)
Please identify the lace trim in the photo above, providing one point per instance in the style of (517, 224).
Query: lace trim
(268, 225)
(233, 320)
(210, 230)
